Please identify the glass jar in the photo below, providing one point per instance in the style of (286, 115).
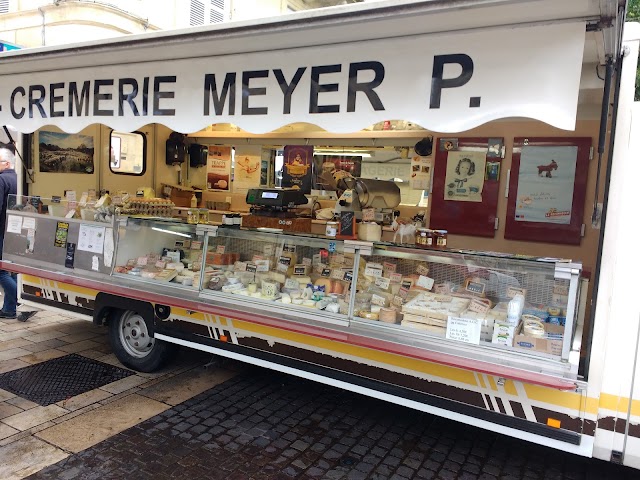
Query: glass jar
(331, 229)
(192, 215)
(424, 238)
(203, 216)
(440, 237)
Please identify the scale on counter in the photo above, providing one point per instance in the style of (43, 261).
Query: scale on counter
(274, 201)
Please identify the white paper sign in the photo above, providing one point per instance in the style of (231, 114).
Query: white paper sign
(464, 329)
(95, 263)
(425, 282)
(91, 238)
(29, 223)
(108, 247)
(14, 224)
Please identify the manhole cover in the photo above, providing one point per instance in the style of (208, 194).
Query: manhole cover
(60, 378)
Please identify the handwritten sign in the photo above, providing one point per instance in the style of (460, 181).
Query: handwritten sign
(465, 330)
(347, 225)
(383, 282)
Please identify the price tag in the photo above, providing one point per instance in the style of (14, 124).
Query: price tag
(478, 306)
(289, 248)
(425, 282)
(407, 284)
(196, 245)
(300, 269)
(348, 276)
(398, 300)
(337, 259)
(389, 267)
(442, 288)
(262, 265)
(403, 292)
(251, 267)
(422, 270)
(513, 291)
(284, 261)
(71, 195)
(291, 283)
(268, 249)
(378, 300)
(317, 258)
(557, 289)
(240, 267)
(368, 215)
(477, 288)
(383, 282)
(161, 264)
(55, 199)
(395, 278)
(373, 271)
(337, 273)
(220, 249)
(465, 330)
(326, 272)
(306, 261)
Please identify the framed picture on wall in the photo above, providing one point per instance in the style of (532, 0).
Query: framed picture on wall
(65, 152)
(547, 189)
(466, 180)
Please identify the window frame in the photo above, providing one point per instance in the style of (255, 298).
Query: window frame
(144, 155)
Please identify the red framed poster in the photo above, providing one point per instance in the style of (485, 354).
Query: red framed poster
(466, 180)
(547, 189)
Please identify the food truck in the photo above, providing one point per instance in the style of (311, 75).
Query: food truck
(426, 202)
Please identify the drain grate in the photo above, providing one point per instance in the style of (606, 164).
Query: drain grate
(60, 378)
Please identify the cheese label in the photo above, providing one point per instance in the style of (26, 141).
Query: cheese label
(240, 267)
(389, 267)
(395, 277)
(348, 276)
(268, 249)
(383, 282)
(220, 249)
(442, 288)
(284, 261)
(337, 273)
(289, 248)
(251, 267)
(513, 291)
(407, 284)
(196, 245)
(373, 271)
(425, 282)
(306, 261)
(317, 258)
(377, 300)
(300, 269)
(403, 292)
(478, 307)
(398, 300)
(326, 272)
(291, 283)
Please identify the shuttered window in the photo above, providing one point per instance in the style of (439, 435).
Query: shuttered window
(4, 6)
(203, 12)
(196, 14)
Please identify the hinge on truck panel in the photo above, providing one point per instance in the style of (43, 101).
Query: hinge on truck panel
(590, 153)
(495, 224)
(617, 457)
(582, 228)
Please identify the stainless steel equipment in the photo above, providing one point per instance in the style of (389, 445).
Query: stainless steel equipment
(361, 193)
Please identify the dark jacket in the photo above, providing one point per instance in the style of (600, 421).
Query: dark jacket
(8, 186)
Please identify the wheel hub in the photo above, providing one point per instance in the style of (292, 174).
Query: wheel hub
(134, 335)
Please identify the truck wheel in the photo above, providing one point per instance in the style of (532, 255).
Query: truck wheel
(133, 345)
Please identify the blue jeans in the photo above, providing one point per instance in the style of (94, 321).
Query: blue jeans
(10, 287)
(8, 282)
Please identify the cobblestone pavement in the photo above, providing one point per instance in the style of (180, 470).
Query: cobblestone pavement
(266, 425)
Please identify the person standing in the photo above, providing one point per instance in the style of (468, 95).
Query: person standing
(8, 186)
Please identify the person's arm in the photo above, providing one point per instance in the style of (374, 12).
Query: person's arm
(4, 188)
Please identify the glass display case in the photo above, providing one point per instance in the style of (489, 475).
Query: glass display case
(488, 299)
(159, 251)
(308, 274)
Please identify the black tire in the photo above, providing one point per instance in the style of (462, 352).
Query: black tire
(134, 346)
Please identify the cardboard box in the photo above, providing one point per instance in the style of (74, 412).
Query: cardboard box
(544, 345)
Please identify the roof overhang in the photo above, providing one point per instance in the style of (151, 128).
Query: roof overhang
(559, 42)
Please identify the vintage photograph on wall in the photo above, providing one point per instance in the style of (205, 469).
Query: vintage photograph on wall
(65, 153)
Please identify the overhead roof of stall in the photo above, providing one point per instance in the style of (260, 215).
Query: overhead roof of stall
(426, 27)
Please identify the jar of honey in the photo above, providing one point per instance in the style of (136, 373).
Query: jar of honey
(424, 238)
(440, 238)
(193, 215)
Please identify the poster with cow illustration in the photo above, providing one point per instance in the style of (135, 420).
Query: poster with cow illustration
(547, 189)
(545, 184)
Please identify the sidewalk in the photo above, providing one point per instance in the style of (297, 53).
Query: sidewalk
(34, 436)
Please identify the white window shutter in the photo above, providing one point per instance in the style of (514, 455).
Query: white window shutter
(218, 11)
(196, 13)
(4, 6)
